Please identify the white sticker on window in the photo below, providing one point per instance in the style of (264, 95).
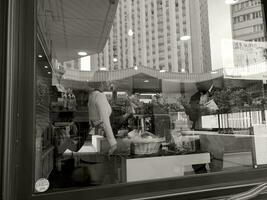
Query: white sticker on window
(41, 185)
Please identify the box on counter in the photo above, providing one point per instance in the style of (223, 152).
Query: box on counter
(102, 146)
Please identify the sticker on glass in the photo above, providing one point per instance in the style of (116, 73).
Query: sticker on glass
(41, 185)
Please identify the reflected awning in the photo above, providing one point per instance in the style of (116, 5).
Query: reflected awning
(98, 76)
(170, 81)
(70, 26)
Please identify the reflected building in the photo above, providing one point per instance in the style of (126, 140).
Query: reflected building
(247, 21)
(148, 33)
(155, 42)
(249, 47)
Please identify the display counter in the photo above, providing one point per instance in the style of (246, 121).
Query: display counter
(227, 150)
(129, 168)
(148, 168)
(214, 151)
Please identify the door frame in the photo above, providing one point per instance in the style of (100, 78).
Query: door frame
(19, 120)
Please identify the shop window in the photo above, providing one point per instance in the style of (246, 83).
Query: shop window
(138, 123)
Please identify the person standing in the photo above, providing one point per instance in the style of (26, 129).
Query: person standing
(194, 112)
(99, 111)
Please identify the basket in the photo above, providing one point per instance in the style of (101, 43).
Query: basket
(142, 148)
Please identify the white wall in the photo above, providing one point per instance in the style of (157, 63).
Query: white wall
(220, 27)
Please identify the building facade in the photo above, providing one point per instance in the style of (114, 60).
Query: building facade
(247, 21)
(157, 27)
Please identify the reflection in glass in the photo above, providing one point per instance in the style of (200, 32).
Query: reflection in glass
(186, 93)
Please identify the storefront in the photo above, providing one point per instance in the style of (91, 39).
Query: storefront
(133, 132)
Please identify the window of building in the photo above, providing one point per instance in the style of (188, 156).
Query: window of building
(257, 15)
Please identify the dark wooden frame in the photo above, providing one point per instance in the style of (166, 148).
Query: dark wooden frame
(193, 188)
(3, 46)
(19, 123)
(19, 109)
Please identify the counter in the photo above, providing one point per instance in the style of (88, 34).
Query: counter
(130, 168)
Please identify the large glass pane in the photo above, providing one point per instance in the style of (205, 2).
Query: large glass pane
(178, 89)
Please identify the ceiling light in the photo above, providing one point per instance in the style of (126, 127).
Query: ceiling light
(49, 72)
(40, 56)
(115, 59)
(82, 53)
(185, 37)
(162, 70)
(103, 68)
(46, 67)
(135, 67)
(130, 32)
(182, 70)
(231, 2)
(146, 81)
(214, 72)
(87, 80)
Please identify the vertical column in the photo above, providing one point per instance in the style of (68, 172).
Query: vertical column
(106, 56)
(156, 40)
(181, 19)
(206, 39)
(190, 67)
(143, 33)
(118, 36)
(173, 36)
(99, 61)
(136, 32)
(124, 33)
(149, 21)
(111, 52)
(102, 59)
(130, 38)
(165, 46)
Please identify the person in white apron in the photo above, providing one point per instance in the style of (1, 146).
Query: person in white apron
(99, 116)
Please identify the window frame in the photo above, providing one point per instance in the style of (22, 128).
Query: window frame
(20, 134)
(3, 56)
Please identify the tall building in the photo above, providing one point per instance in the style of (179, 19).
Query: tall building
(155, 41)
(247, 21)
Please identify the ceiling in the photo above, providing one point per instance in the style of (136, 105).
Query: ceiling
(70, 26)
(43, 68)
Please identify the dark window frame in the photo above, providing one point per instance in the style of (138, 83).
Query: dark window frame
(20, 131)
(3, 61)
